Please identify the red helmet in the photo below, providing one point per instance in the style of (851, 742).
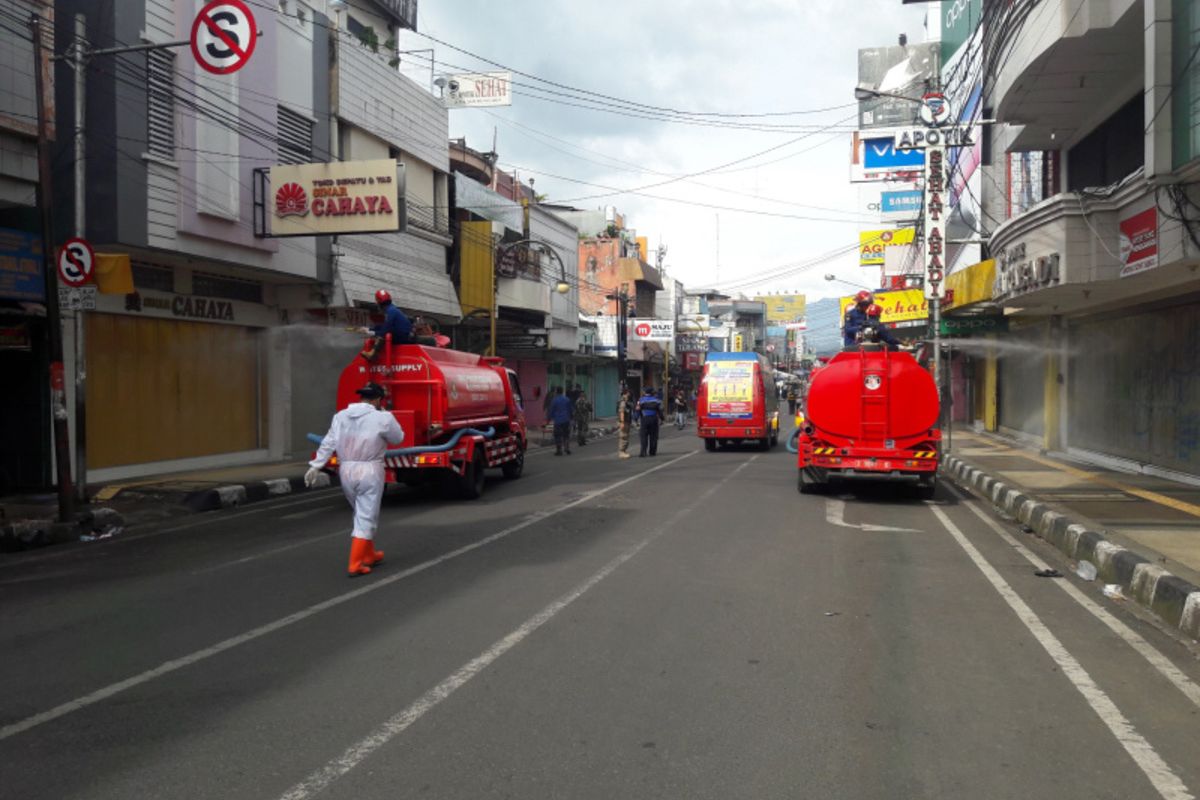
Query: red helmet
(874, 310)
(863, 297)
(382, 297)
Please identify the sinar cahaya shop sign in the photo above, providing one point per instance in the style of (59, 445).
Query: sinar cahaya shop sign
(339, 197)
(905, 305)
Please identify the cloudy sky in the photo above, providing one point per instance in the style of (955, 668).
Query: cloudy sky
(778, 195)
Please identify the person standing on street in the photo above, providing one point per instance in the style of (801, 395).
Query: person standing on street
(650, 410)
(680, 409)
(583, 413)
(360, 435)
(624, 419)
(792, 398)
(561, 414)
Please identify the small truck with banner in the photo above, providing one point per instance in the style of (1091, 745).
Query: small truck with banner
(737, 401)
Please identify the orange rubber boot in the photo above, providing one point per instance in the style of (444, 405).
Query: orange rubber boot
(375, 556)
(360, 551)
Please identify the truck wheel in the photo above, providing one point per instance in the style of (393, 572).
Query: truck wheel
(805, 483)
(513, 469)
(927, 487)
(471, 486)
(764, 443)
(710, 445)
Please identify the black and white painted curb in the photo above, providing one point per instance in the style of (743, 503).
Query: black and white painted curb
(240, 494)
(1173, 599)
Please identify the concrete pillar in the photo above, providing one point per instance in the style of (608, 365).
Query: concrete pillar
(990, 389)
(1051, 398)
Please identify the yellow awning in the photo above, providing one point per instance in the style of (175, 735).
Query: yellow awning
(972, 285)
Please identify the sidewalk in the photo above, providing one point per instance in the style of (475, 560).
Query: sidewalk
(1140, 532)
(29, 520)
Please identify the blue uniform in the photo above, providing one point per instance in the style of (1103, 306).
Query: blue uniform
(561, 413)
(649, 408)
(856, 319)
(560, 410)
(395, 323)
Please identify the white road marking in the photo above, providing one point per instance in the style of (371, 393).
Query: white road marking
(266, 553)
(393, 727)
(303, 514)
(1160, 662)
(375, 585)
(835, 514)
(1165, 781)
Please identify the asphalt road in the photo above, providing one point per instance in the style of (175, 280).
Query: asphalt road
(686, 626)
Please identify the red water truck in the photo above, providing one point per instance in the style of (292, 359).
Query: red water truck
(462, 414)
(870, 413)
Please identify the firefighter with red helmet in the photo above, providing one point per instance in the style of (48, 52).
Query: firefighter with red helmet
(856, 318)
(395, 322)
(876, 330)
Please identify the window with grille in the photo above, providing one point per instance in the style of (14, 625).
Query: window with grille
(160, 104)
(151, 276)
(208, 285)
(295, 137)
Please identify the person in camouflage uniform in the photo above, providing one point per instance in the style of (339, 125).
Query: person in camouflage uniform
(624, 418)
(583, 413)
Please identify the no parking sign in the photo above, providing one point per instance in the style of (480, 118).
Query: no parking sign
(223, 36)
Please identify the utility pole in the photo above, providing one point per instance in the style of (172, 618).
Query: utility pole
(58, 406)
(79, 64)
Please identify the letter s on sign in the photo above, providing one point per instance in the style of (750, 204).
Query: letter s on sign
(227, 22)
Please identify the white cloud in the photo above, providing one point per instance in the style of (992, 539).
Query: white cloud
(698, 55)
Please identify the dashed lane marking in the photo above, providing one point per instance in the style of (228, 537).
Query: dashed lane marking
(167, 667)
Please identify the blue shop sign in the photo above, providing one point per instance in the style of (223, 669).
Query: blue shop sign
(21, 266)
(900, 202)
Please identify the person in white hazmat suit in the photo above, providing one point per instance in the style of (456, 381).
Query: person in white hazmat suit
(360, 435)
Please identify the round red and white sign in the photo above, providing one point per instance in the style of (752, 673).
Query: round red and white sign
(223, 36)
(935, 110)
(642, 329)
(76, 260)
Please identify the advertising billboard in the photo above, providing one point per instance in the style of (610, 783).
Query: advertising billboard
(872, 244)
(900, 205)
(900, 70)
(960, 19)
(652, 330)
(478, 90)
(782, 308)
(21, 266)
(1139, 242)
(874, 157)
(730, 388)
(339, 197)
(906, 305)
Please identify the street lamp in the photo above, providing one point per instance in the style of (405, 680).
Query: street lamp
(533, 245)
(864, 92)
(832, 277)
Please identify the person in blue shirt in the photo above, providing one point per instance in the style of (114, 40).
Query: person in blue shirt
(394, 320)
(561, 414)
(396, 323)
(856, 318)
(650, 409)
